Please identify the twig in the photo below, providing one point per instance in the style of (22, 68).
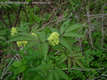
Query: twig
(9, 19)
(89, 27)
(96, 15)
(17, 16)
(6, 69)
(85, 69)
(102, 75)
(17, 2)
(27, 18)
(81, 46)
(57, 21)
(102, 29)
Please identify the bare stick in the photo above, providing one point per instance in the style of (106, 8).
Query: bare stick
(17, 16)
(85, 69)
(17, 2)
(102, 29)
(89, 27)
(9, 18)
(96, 15)
(6, 69)
(81, 47)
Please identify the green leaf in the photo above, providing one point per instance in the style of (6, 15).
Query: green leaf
(47, 16)
(79, 63)
(23, 36)
(42, 36)
(18, 67)
(69, 64)
(28, 0)
(56, 75)
(2, 38)
(64, 26)
(61, 59)
(74, 27)
(64, 42)
(62, 74)
(44, 47)
(17, 63)
(72, 34)
(50, 77)
(37, 18)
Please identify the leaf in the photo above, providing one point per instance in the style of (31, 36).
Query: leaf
(43, 67)
(44, 47)
(41, 49)
(42, 36)
(50, 77)
(64, 26)
(61, 59)
(79, 63)
(37, 18)
(69, 64)
(3, 32)
(17, 63)
(28, 0)
(53, 29)
(47, 16)
(72, 34)
(62, 74)
(65, 44)
(23, 36)
(18, 67)
(74, 27)
(56, 75)
(2, 38)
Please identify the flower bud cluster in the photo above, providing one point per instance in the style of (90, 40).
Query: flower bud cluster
(13, 31)
(21, 43)
(53, 39)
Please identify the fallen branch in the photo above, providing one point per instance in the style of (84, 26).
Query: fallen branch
(5, 70)
(16, 2)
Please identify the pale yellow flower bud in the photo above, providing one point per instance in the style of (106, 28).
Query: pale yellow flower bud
(54, 39)
(21, 43)
(34, 34)
(13, 31)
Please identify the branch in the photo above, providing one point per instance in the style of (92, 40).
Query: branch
(17, 16)
(96, 15)
(6, 69)
(11, 2)
(89, 28)
(9, 19)
(102, 29)
(85, 69)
